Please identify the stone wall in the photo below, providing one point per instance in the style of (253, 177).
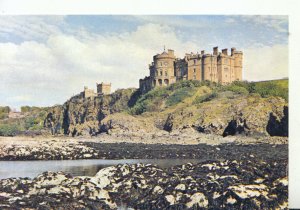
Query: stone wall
(104, 88)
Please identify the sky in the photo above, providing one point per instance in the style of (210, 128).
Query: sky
(44, 60)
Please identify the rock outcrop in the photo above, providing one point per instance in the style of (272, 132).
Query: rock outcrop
(83, 116)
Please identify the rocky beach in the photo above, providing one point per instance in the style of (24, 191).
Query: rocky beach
(236, 173)
(247, 183)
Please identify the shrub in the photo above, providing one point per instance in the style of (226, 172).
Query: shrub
(9, 129)
(266, 89)
(237, 89)
(205, 98)
(4, 111)
(3, 115)
(179, 95)
(29, 122)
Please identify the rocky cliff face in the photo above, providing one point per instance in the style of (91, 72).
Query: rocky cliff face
(83, 116)
(224, 115)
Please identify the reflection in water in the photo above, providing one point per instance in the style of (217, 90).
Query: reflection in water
(75, 167)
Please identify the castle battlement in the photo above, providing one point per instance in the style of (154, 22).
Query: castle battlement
(220, 67)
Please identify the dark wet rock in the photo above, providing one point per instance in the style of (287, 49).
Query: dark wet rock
(64, 150)
(238, 126)
(169, 123)
(278, 127)
(250, 183)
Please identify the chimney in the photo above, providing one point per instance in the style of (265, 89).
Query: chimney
(215, 50)
(224, 51)
(232, 50)
(202, 52)
(170, 52)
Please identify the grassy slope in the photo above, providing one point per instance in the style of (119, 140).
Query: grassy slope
(190, 93)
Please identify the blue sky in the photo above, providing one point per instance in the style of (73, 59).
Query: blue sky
(44, 60)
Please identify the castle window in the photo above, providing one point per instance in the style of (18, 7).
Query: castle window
(161, 73)
(160, 63)
(194, 70)
(195, 61)
(160, 82)
(166, 73)
(194, 77)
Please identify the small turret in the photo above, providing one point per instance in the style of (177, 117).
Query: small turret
(224, 51)
(232, 50)
(215, 50)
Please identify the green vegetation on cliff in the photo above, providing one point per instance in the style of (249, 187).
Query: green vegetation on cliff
(162, 97)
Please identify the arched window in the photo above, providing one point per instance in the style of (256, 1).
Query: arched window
(160, 82)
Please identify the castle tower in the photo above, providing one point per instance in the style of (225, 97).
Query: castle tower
(238, 63)
(209, 67)
(224, 71)
(103, 88)
(88, 93)
(162, 69)
(194, 65)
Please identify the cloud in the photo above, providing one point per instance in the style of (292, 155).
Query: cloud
(266, 63)
(30, 27)
(277, 22)
(50, 71)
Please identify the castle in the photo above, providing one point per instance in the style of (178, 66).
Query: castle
(102, 89)
(218, 67)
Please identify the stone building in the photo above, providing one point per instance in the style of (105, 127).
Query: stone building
(103, 88)
(88, 93)
(217, 67)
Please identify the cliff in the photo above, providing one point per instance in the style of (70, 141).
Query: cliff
(183, 107)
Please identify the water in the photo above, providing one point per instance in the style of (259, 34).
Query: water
(31, 169)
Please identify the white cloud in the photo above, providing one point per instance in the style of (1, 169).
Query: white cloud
(31, 27)
(266, 63)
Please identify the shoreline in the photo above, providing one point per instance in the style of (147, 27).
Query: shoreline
(112, 147)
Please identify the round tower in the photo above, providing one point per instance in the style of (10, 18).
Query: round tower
(164, 68)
